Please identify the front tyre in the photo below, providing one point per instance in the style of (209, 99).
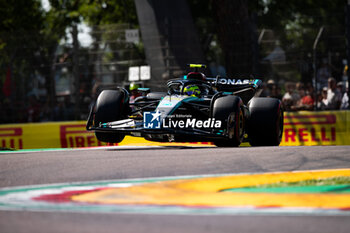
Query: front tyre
(109, 107)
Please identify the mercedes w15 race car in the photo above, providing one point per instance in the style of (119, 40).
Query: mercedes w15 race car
(195, 108)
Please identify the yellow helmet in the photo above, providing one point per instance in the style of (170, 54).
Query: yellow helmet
(192, 90)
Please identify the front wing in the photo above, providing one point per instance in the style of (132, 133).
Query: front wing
(136, 128)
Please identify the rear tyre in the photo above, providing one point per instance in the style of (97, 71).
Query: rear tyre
(229, 109)
(265, 126)
(109, 107)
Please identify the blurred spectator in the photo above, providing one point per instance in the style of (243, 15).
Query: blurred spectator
(271, 90)
(289, 98)
(264, 91)
(333, 95)
(323, 73)
(345, 76)
(270, 82)
(275, 92)
(340, 87)
(310, 89)
(345, 101)
(306, 101)
(322, 99)
(299, 86)
(345, 98)
(309, 99)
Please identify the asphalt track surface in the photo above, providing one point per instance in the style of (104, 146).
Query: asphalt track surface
(49, 167)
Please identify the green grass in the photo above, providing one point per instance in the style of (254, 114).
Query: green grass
(330, 185)
(340, 180)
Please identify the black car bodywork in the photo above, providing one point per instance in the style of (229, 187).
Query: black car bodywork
(225, 113)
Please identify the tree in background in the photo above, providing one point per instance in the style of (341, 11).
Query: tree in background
(20, 28)
(96, 12)
(236, 24)
(296, 24)
(30, 38)
(236, 35)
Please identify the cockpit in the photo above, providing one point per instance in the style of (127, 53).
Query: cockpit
(189, 87)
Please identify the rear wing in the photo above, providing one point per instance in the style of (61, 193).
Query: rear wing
(228, 84)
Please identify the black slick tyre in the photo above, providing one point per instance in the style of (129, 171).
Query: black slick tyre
(229, 109)
(265, 125)
(109, 107)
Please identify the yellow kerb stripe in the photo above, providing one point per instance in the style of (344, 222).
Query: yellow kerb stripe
(206, 192)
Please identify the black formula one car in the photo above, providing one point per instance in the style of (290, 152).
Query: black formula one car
(196, 108)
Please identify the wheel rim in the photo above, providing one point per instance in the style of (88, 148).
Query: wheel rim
(231, 126)
(241, 125)
(236, 126)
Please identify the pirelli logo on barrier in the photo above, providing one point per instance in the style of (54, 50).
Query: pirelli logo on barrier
(316, 129)
(76, 136)
(11, 137)
(300, 128)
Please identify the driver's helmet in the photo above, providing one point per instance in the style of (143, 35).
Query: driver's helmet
(192, 90)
